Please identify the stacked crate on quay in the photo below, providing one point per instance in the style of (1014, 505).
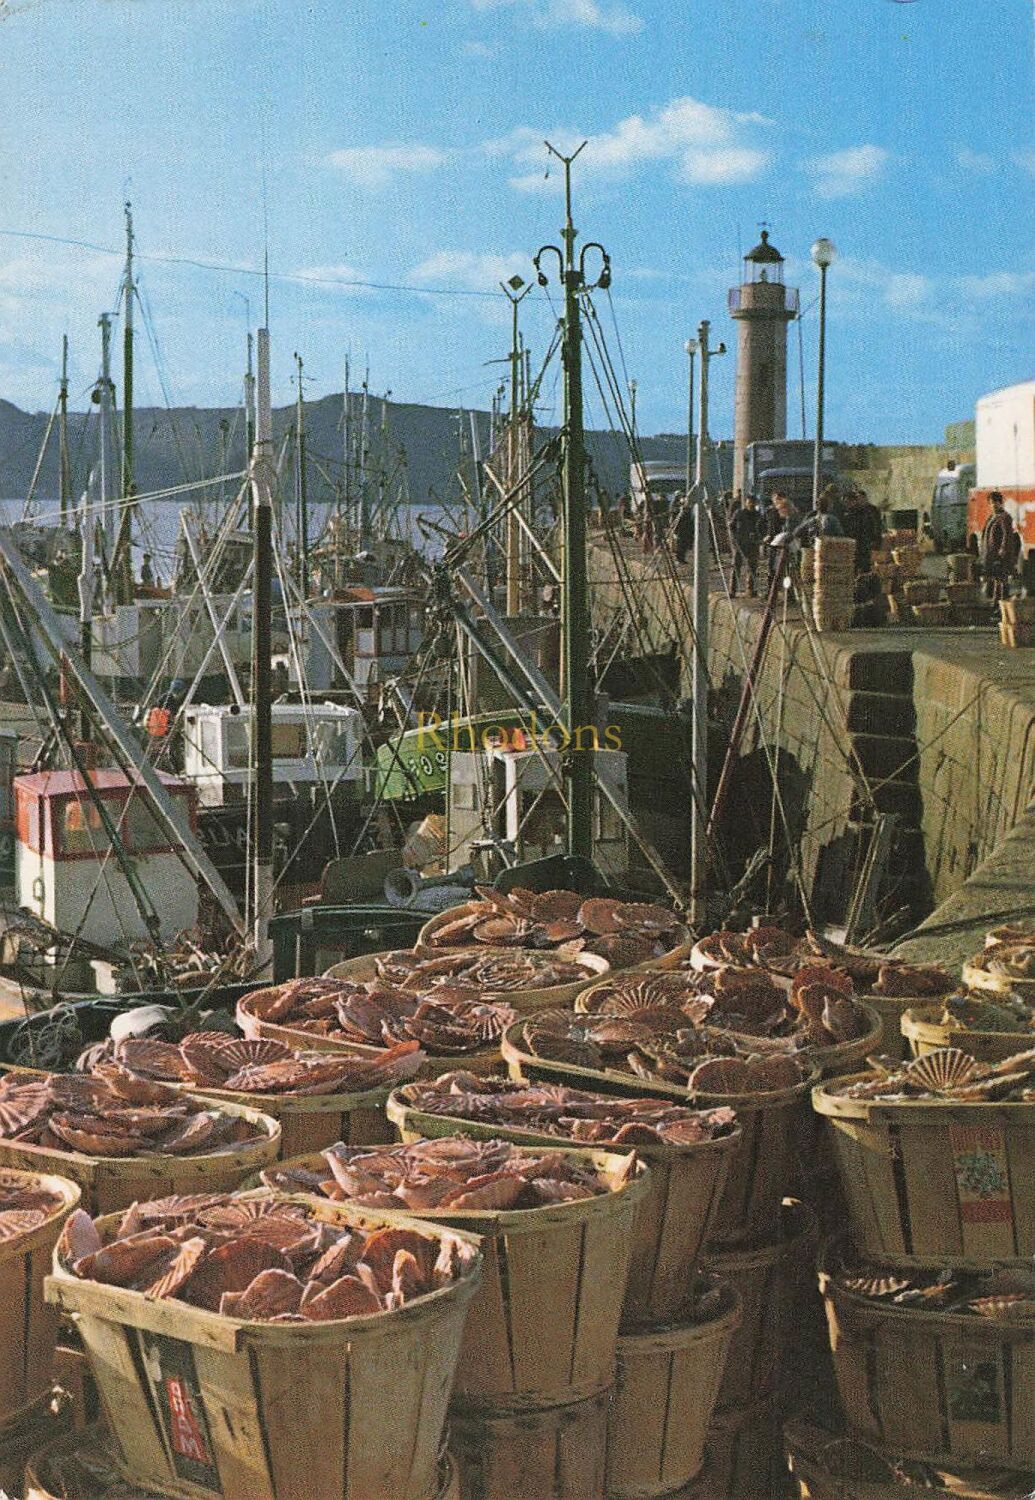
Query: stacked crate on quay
(930, 1299)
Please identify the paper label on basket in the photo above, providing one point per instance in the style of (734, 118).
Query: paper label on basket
(982, 1175)
(973, 1387)
(177, 1395)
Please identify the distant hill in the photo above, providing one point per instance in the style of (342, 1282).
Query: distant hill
(189, 443)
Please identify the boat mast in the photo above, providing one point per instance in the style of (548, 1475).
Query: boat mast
(364, 442)
(301, 497)
(262, 645)
(249, 402)
(122, 562)
(515, 291)
(104, 401)
(345, 493)
(579, 706)
(64, 475)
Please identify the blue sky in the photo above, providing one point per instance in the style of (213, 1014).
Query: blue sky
(400, 142)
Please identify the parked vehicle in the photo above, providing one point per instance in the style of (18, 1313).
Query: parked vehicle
(1005, 438)
(949, 502)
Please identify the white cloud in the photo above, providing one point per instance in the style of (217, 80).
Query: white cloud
(998, 284)
(375, 166)
(1025, 158)
(615, 18)
(705, 145)
(841, 174)
(723, 164)
(479, 49)
(975, 161)
(471, 271)
(903, 291)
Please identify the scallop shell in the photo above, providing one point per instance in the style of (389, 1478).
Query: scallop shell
(14, 1222)
(598, 914)
(232, 1268)
(941, 1071)
(557, 906)
(769, 1074)
(641, 916)
(874, 1286)
(348, 1297)
(180, 1268)
(159, 1060)
(239, 1053)
(188, 1137)
(271, 1294)
(1004, 1305)
(721, 1075)
(79, 1238)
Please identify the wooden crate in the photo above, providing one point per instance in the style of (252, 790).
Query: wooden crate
(424, 947)
(558, 1453)
(483, 1060)
(763, 1170)
(1017, 611)
(768, 1282)
(28, 1327)
(949, 1387)
(1017, 635)
(346, 1410)
(665, 1392)
(910, 1173)
(673, 1218)
(924, 1031)
(541, 1330)
(826, 1467)
(87, 1466)
(524, 1001)
(109, 1183)
(308, 1122)
(48, 1418)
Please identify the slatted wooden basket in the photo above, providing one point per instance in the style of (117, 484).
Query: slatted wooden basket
(745, 1457)
(425, 947)
(87, 1466)
(826, 1467)
(978, 976)
(923, 1030)
(673, 1219)
(762, 1171)
(954, 1388)
(768, 1280)
(308, 1122)
(542, 1327)
(28, 1327)
(523, 1001)
(483, 1060)
(934, 1184)
(109, 1183)
(352, 1409)
(666, 1390)
(556, 1453)
(39, 1425)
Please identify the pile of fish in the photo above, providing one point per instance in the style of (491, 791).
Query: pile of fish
(569, 1114)
(261, 1259)
(24, 1206)
(1000, 1292)
(375, 1013)
(758, 1011)
(213, 1060)
(114, 1113)
(475, 974)
(452, 1173)
(623, 932)
(950, 1076)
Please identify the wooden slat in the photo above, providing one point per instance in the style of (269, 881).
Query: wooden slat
(877, 1155)
(543, 1280)
(486, 1365)
(693, 1387)
(231, 1409)
(304, 1413)
(12, 1336)
(693, 1186)
(582, 1453)
(907, 1386)
(605, 1266)
(636, 1430)
(930, 1190)
(125, 1399)
(386, 1376)
(1020, 1152)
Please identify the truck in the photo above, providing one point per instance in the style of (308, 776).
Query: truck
(949, 501)
(785, 464)
(1004, 428)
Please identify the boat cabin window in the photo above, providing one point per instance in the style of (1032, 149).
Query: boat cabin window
(609, 824)
(237, 756)
(365, 631)
(289, 741)
(81, 830)
(209, 744)
(141, 830)
(465, 798)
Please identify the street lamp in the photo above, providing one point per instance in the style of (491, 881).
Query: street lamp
(823, 253)
(691, 349)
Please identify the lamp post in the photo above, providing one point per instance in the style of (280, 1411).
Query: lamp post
(823, 254)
